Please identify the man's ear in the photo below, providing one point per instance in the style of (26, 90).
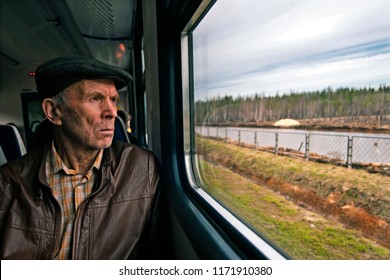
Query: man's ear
(52, 112)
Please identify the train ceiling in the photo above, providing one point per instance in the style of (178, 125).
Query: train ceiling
(33, 31)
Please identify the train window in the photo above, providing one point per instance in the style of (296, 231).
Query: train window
(289, 118)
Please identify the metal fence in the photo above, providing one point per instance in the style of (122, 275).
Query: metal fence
(334, 147)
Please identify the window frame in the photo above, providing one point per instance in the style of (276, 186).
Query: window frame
(245, 240)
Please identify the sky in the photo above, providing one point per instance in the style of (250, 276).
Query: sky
(243, 47)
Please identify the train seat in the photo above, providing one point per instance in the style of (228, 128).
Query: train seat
(11, 142)
(120, 133)
(2, 157)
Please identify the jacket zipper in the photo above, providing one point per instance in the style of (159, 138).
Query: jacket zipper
(80, 212)
(57, 227)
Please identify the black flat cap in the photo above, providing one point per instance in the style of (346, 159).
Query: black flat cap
(57, 74)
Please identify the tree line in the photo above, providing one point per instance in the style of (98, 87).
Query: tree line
(346, 104)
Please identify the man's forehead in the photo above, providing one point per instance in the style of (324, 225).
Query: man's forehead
(88, 85)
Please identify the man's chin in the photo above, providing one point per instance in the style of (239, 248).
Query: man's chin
(104, 143)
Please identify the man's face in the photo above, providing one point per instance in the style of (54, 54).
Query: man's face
(88, 120)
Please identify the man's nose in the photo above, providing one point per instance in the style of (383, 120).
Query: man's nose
(109, 110)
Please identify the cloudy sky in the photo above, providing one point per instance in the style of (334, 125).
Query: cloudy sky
(244, 47)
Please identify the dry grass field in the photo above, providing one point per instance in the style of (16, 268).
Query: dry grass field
(313, 210)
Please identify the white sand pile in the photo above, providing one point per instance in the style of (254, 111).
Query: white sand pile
(286, 123)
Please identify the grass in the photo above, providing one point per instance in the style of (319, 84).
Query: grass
(352, 186)
(302, 234)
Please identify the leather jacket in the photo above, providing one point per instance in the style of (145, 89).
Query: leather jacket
(118, 220)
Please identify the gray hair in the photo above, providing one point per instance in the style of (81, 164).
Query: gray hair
(61, 99)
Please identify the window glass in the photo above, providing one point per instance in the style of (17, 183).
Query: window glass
(291, 121)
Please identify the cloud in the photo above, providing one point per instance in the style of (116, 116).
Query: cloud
(247, 46)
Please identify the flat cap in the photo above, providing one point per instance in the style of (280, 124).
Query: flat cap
(57, 74)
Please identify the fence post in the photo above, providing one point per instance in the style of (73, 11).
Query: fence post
(307, 146)
(239, 137)
(255, 139)
(226, 139)
(349, 152)
(276, 143)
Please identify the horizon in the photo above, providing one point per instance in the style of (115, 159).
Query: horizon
(278, 94)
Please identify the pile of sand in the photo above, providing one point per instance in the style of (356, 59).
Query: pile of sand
(286, 123)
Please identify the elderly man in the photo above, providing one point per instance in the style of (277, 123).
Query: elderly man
(79, 195)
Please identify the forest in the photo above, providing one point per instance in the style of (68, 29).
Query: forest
(349, 105)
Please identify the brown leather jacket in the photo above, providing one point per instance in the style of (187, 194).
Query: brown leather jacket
(117, 221)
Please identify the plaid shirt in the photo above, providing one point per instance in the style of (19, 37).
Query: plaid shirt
(70, 188)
